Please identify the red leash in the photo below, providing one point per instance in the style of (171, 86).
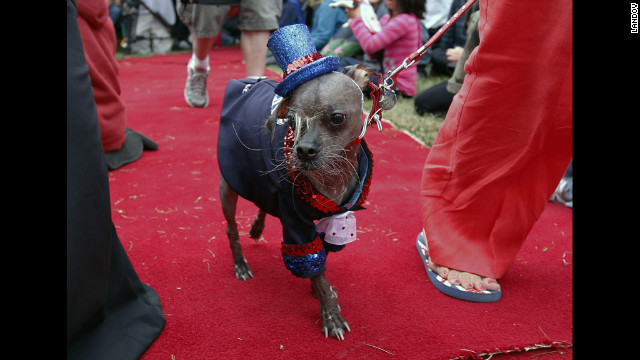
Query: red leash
(383, 96)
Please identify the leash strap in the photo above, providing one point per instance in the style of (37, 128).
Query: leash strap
(411, 59)
(385, 89)
(383, 95)
(374, 115)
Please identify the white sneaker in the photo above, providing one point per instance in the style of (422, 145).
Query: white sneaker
(195, 91)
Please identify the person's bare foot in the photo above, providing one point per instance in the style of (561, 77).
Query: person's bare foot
(464, 279)
(461, 278)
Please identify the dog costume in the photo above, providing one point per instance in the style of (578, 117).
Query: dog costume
(252, 161)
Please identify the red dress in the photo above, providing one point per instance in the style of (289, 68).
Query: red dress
(506, 140)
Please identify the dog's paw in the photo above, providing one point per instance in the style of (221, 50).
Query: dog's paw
(257, 226)
(333, 324)
(256, 231)
(332, 321)
(243, 272)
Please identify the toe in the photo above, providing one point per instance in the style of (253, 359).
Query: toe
(491, 284)
(466, 280)
(478, 283)
(453, 277)
(443, 271)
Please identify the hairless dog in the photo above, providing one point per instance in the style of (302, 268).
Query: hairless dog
(298, 158)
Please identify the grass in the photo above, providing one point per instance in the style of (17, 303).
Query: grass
(403, 116)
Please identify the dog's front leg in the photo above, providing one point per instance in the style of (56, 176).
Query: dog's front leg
(332, 322)
(229, 199)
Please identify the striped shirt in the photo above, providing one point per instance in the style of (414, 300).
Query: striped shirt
(399, 38)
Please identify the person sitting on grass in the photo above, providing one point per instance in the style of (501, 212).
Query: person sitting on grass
(400, 36)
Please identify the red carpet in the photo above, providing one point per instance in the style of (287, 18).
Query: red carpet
(168, 217)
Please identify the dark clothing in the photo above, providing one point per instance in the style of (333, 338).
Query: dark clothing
(455, 36)
(111, 314)
(435, 100)
(253, 165)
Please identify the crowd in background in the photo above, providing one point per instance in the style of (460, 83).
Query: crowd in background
(152, 26)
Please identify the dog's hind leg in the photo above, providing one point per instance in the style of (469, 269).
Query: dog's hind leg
(257, 226)
(229, 199)
(332, 321)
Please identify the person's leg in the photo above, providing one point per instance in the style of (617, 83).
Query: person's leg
(439, 63)
(204, 23)
(504, 145)
(435, 99)
(142, 44)
(161, 39)
(195, 90)
(258, 19)
(254, 51)
(201, 49)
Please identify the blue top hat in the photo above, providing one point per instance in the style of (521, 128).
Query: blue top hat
(293, 49)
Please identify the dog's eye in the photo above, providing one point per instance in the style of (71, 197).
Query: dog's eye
(337, 119)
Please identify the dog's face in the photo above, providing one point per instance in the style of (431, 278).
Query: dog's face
(325, 114)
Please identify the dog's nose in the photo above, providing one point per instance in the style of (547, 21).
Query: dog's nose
(306, 152)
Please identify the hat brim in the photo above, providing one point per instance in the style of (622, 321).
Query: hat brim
(130, 151)
(319, 67)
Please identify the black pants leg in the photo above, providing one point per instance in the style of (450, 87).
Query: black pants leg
(435, 99)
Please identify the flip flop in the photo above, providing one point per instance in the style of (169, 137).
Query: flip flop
(446, 287)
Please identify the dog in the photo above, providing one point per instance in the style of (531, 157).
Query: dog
(324, 114)
(295, 149)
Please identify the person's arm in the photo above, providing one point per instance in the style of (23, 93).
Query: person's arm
(325, 24)
(371, 43)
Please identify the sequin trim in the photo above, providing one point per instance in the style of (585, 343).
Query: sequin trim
(305, 260)
(300, 62)
(302, 250)
(304, 188)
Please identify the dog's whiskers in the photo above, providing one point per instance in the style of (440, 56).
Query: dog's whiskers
(279, 166)
(334, 174)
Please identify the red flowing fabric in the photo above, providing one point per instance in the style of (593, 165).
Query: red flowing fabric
(99, 42)
(167, 213)
(506, 140)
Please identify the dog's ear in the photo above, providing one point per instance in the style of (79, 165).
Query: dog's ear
(359, 74)
(283, 108)
(281, 112)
